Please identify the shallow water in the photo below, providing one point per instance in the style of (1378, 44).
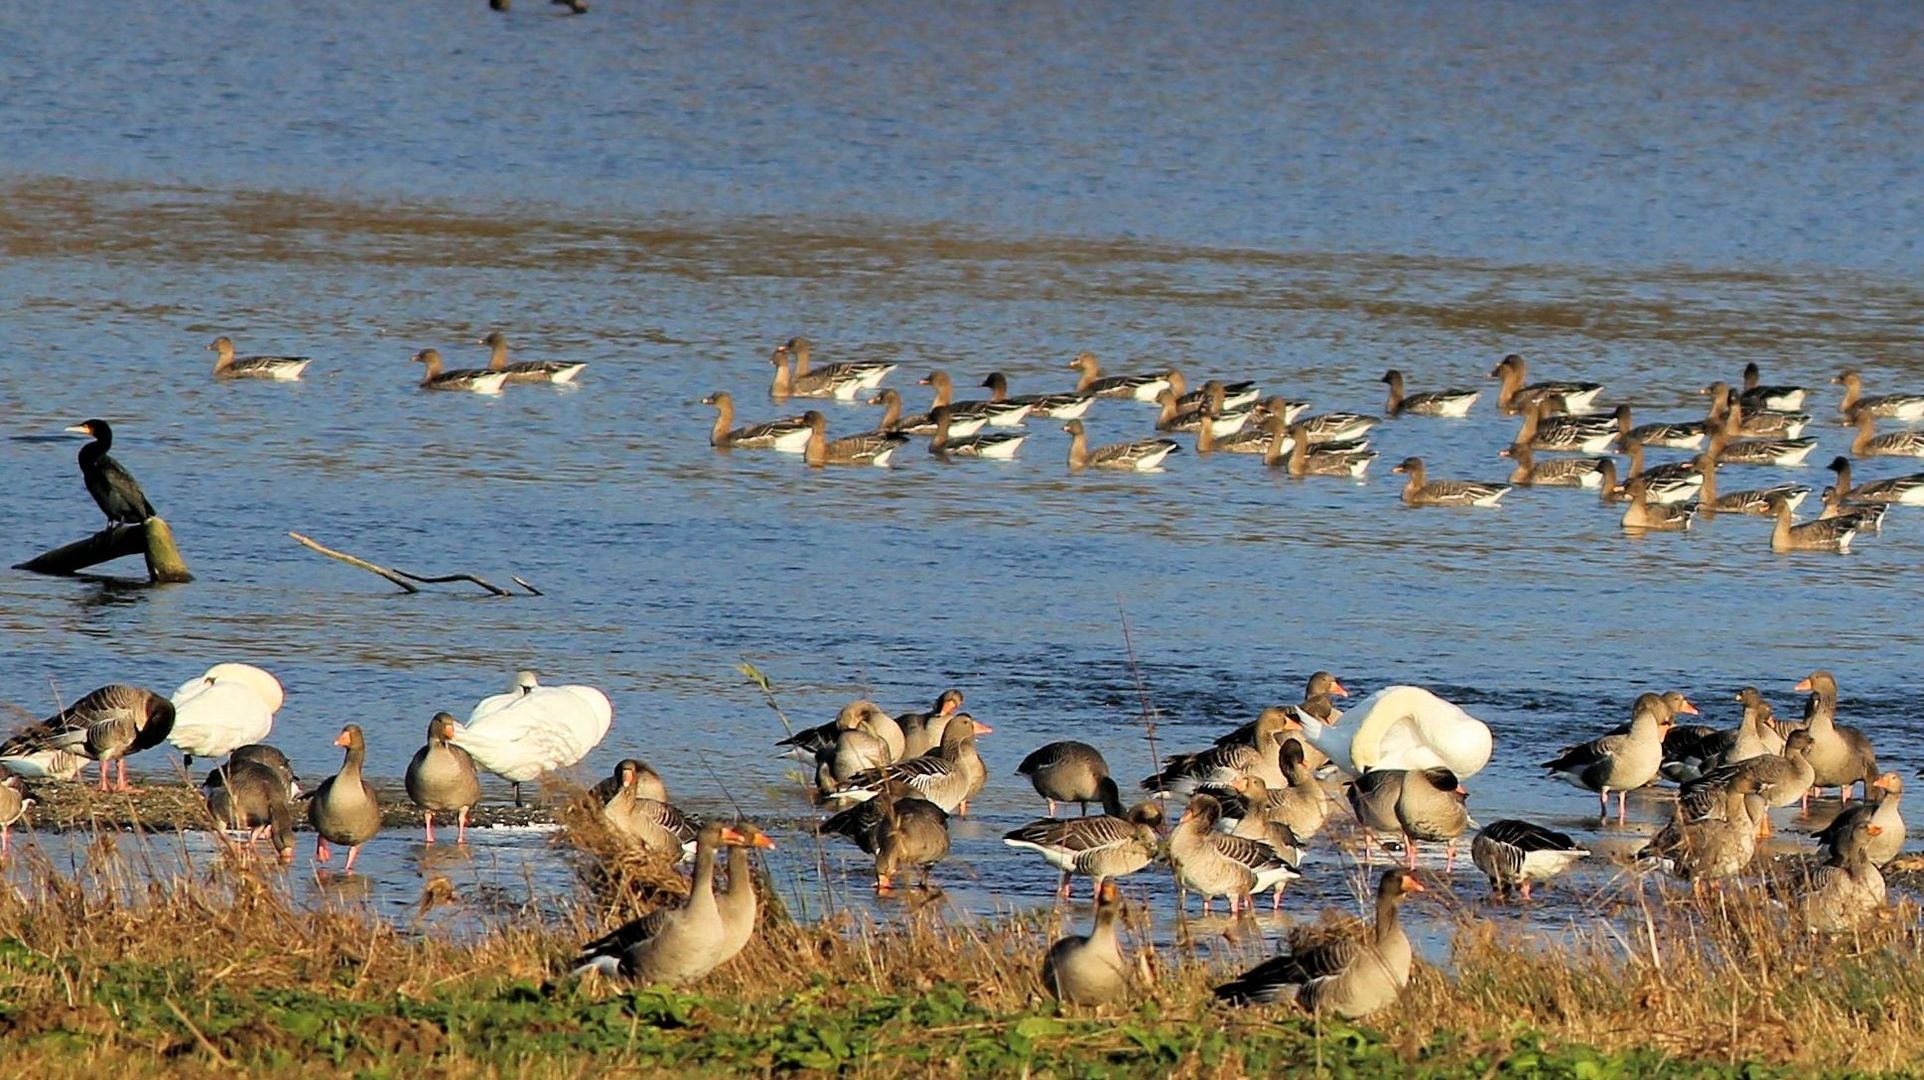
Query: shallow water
(1301, 198)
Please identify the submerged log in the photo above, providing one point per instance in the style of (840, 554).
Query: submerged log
(151, 539)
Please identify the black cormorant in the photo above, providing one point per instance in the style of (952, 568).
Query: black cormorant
(112, 486)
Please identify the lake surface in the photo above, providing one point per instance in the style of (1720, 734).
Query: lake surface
(1639, 196)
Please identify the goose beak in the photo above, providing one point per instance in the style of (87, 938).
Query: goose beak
(1336, 689)
(1803, 684)
(1874, 830)
(1688, 708)
(1410, 884)
(982, 728)
(341, 739)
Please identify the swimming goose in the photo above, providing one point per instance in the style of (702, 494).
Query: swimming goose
(1822, 534)
(113, 488)
(251, 796)
(1090, 970)
(1619, 763)
(867, 374)
(528, 371)
(441, 776)
(1666, 484)
(1906, 407)
(1780, 398)
(1066, 772)
(658, 827)
(344, 809)
(1642, 515)
(1251, 439)
(1217, 864)
(474, 380)
(1544, 428)
(870, 448)
(1069, 406)
(1421, 491)
(1226, 397)
(1289, 448)
(1884, 813)
(1335, 427)
(1276, 405)
(920, 423)
(1103, 846)
(1782, 780)
(1838, 893)
(671, 945)
(1868, 516)
(922, 731)
(1352, 973)
(1173, 419)
(1780, 452)
(1686, 436)
(740, 908)
(1143, 455)
(1711, 847)
(796, 381)
(996, 413)
(1557, 472)
(647, 782)
(1513, 396)
(788, 434)
(1749, 421)
(911, 834)
(997, 446)
(229, 706)
(1907, 489)
(1842, 755)
(107, 725)
(946, 776)
(1140, 387)
(1513, 854)
(278, 368)
(1450, 403)
(1894, 444)
(534, 729)
(1755, 501)
(14, 805)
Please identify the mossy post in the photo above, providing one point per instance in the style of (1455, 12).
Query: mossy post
(151, 539)
(164, 563)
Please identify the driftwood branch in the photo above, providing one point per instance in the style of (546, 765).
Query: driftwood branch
(151, 539)
(403, 578)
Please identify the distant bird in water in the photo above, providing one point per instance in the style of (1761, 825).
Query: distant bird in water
(575, 7)
(112, 486)
(498, 5)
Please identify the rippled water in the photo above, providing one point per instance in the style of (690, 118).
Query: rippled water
(1639, 196)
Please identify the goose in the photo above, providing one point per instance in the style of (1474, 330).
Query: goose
(868, 374)
(1253, 821)
(1226, 397)
(1785, 453)
(1251, 439)
(473, 380)
(922, 731)
(14, 804)
(1404, 727)
(1685, 758)
(659, 828)
(739, 906)
(1421, 491)
(1142, 388)
(1755, 501)
(999, 446)
(1276, 405)
(1319, 695)
(113, 488)
(1642, 515)
(870, 448)
(1867, 516)
(107, 725)
(1174, 420)
(1868, 443)
(1090, 970)
(1906, 407)
(1513, 396)
(1290, 448)
(1217, 864)
(1351, 974)
(1182, 774)
(911, 834)
(1688, 436)
(673, 946)
(1907, 489)
(1665, 485)
(229, 706)
(1069, 406)
(1303, 805)
(1557, 472)
(272, 758)
(528, 371)
(1886, 844)
(1143, 455)
(788, 434)
(534, 729)
(1714, 846)
(1513, 854)
(829, 382)
(344, 809)
(1419, 804)
(648, 783)
(278, 368)
(1544, 429)
(1448, 403)
(810, 743)
(1619, 763)
(996, 413)
(1781, 780)
(441, 776)
(251, 796)
(1840, 754)
(855, 749)
(1838, 893)
(1823, 534)
(859, 821)
(1780, 398)
(946, 776)
(1102, 846)
(920, 423)
(1335, 427)
(1748, 421)
(1372, 797)
(1066, 772)
(1758, 732)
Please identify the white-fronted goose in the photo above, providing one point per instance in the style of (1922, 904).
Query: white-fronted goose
(946, 776)
(1756, 395)
(278, 368)
(1885, 813)
(1784, 453)
(1841, 755)
(996, 446)
(1140, 387)
(1350, 973)
(230, 706)
(14, 805)
(1175, 420)
(1514, 396)
(1419, 490)
(251, 796)
(1755, 501)
(911, 834)
(1066, 772)
(1868, 443)
(473, 380)
(739, 906)
(344, 809)
(1644, 515)
(1090, 970)
(1847, 886)
(1686, 436)
(1906, 407)
(1619, 763)
(1714, 846)
(1823, 534)
(647, 782)
(1667, 484)
(1544, 428)
(1102, 846)
(1225, 396)
(870, 448)
(922, 731)
(1513, 854)
(1451, 403)
(1142, 455)
(1782, 780)
(528, 371)
(1908, 489)
(1217, 864)
(1069, 406)
(442, 777)
(671, 945)
(1556, 472)
(920, 423)
(107, 725)
(1726, 413)
(788, 434)
(1289, 447)
(997, 413)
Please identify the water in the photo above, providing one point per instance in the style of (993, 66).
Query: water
(1304, 198)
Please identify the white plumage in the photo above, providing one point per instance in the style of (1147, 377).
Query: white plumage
(231, 705)
(1404, 727)
(534, 729)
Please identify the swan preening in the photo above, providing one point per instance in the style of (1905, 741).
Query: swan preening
(1403, 727)
(230, 706)
(534, 729)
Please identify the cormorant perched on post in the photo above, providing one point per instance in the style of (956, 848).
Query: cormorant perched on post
(112, 486)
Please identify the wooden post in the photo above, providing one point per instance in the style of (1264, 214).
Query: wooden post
(164, 563)
(152, 539)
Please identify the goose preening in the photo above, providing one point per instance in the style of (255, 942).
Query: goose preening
(1103, 846)
(230, 706)
(995, 413)
(1352, 972)
(229, 366)
(788, 434)
(1218, 864)
(1713, 846)
(441, 777)
(1062, 406)
(114, 489)
(811, 743)
(869, 448)
(947, 776)
(673, 945)
(14, 805)
(344, 809)
(1619, 763)
(271, 757)
(1756, 395)
(528, 371)
(1868, 443)
(841, 382)
(1450, 403)
(107, 725)
(1090, 970)
(1822, 534)
(473, 380)
(1140, 387)
(1755, 501)
(1885, 813)
(857, 747)
(1419, 490)
(1403, 727)
(1513, 396)
(1545, 428)
(1841, 755)
(1514, 854)
(1066, 772)
(534, 729)
(1908, 489)
(1644, 515)
(1556, 472)
(1906, 407)
(255, 797)
(1685, 436)
(867, 374)
(1143, 455)
(997, 446)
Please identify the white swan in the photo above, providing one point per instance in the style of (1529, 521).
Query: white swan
(1404, 727)
(533, 729)
(232, 705)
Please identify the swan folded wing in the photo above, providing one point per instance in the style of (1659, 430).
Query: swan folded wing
(1407, 727)
(209, 710)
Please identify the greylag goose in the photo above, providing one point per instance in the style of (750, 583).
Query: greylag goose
(344, 809)
(107, 725)
(1253, 822)
(1513, 396)
(1217, 864)
(1619, 763)
(278, 368)
(1750, 422)
(1419, 804)
(251, 796)
(1906, 407)
(656, 826)
(1644, 515)
(1666, 484)
(920, 423)
(1557, 472)
(867, 374)
(1066, 772)
(1372, 797)
(1419, 490)
(810, 743)
(910, 834)
(793, 379)
(1545, 429)
(1513, 854)
(1907, 489)
(113, 488)
(1884, 813)
(1225, 396)
(859, 822)
(1780, 452)
(528, 371)
(788, 434)
(671, 945)
(1173, 420)
(998, 446)
(739, 906)
(14, 805)
(922, 731)
(441, 776)
(871, 448)
(1846, 887)
(1758, 732)
(1693, 750)
(1687, 436)
(946, 776)
(1841, 755)
(1069, 406)
(1143, 455)
(647, 782)
(1782, 780)
(1755, 395)
(1868, 443)
(1302, 804)
(1714, 846)
(1319, 695)
(1755, 501)
(1182, 774)
(1140, 387)
(1290, 447)
(996, 413)
(473, 380)
(1102, 846)
(1822, 534)
(1451, 403)
(856, 749)
(1090, 970)
(270, 756)
(1351, 974)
